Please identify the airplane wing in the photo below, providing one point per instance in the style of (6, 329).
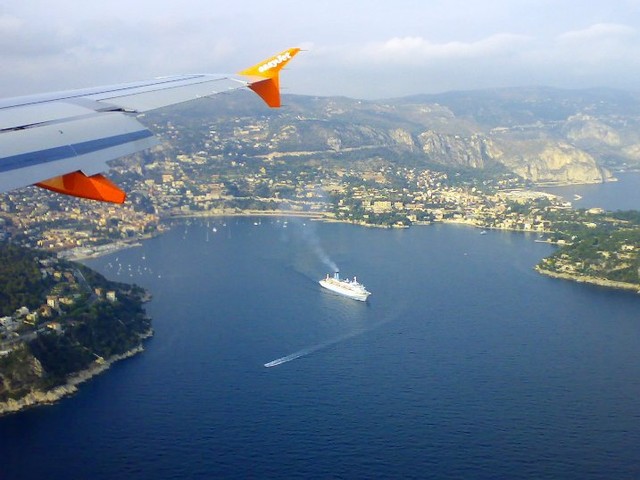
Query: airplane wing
(61, 141)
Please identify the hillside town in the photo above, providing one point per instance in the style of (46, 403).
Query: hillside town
(248, 166)
(384, 196)
(237, 170)
(60, 323)
(68, 288)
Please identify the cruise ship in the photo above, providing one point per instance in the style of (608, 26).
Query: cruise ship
(348, 288)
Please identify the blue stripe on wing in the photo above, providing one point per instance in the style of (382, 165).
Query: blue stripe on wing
(38, 157)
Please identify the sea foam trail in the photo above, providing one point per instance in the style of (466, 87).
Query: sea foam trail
(309, 350)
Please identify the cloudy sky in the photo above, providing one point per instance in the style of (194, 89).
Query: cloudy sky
(363, 49)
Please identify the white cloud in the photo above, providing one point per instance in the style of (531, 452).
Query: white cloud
(387, 49)
(598, 50)
(19, 38)
(10, 23)
(602, 54)
(598, 32)
(419, 49)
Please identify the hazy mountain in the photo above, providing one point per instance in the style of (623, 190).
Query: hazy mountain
(542, 134)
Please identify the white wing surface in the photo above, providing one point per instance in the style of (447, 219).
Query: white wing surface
(61, 141)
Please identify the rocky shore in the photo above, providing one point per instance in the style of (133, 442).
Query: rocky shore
(39, 397)
(602, 282)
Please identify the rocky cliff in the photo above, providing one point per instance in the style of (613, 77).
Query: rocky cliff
(475, 151)
(553, 162)
(543, 135)
(20, 374)
(24, 385)
(540, 162)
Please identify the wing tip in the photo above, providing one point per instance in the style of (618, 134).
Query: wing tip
(267, 83)
(271, 66)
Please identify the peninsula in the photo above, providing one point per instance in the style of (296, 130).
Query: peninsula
(61, 324)
(469, 158)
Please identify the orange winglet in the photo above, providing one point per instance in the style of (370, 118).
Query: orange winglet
(77, 184)
(269, 88)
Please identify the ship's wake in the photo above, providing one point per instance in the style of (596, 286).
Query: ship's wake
(309, 350)
(293, 356)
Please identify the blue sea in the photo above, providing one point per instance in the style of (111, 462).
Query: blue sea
(464, 363)
(623, 194)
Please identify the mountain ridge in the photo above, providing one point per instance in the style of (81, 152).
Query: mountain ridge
(545, 135)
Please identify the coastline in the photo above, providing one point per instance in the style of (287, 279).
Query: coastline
(249, 213)
(601, 282)
(40, 397)
(94, 252)
(84, 253)
(70, 387)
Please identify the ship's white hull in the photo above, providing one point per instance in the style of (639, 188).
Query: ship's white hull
(361, 296)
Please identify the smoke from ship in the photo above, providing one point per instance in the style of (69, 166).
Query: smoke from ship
(314, 242)
(310, 237)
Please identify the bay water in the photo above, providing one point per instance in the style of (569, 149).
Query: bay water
(623, 194)
(464, 363)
